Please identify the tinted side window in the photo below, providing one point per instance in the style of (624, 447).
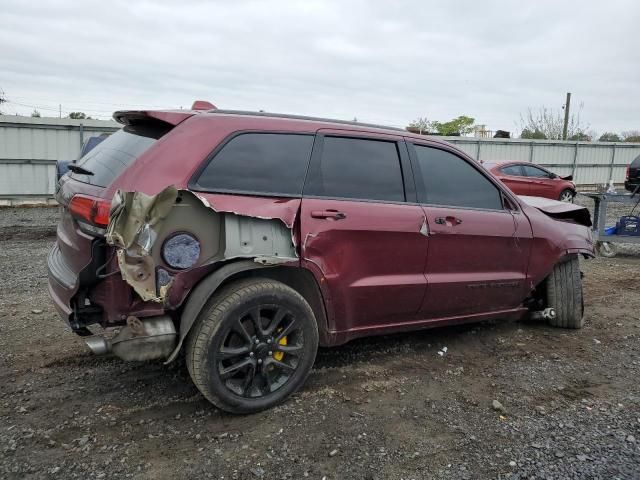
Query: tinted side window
(535, 172)
(451, 181)
(357, 168)
(272, 163)
(513, 170)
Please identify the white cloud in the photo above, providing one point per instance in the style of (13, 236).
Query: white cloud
(386, 62)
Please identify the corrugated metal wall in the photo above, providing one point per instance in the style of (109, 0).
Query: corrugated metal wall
(30, 147)
(589, 163)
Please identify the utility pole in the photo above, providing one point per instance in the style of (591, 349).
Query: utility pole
(60, 113)
(566, 116)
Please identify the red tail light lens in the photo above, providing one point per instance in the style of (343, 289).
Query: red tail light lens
(92, 210)
(628, 172)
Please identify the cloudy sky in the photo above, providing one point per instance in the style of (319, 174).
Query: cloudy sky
(380, 61)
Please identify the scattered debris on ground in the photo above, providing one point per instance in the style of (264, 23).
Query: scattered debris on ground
(503, 400)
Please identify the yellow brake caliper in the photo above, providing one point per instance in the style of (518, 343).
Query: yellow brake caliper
(280, 355)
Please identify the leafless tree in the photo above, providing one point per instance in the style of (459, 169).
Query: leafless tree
(631, 136)
(422, 125)
(550, 122)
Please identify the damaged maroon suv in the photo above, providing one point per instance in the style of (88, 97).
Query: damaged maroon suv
(249, 239)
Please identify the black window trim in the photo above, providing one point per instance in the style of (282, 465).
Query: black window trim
(411, 144)
(193, 181)
(406, 170)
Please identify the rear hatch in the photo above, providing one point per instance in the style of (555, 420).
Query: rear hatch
(85, 201)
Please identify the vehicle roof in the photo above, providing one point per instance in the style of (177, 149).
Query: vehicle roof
(320, 122)
(280, 120)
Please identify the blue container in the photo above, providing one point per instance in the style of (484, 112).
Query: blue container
(628, 225)
(610, 230)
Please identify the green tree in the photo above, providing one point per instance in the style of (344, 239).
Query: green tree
(580, 137)
(609, 137)
(533, 135)
(36, 114)
(78, 116)
(462, 125)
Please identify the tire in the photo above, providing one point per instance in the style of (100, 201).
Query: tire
(566, 195)
(564, 294)
(252, 346)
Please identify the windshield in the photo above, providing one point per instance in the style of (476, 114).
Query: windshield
(111, 157)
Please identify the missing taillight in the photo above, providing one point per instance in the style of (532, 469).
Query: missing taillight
(91, 211)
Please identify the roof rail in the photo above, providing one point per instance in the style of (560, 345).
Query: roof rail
(303, 117)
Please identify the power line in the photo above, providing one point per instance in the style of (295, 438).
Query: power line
(87, 102)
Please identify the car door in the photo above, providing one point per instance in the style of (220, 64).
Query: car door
(478, 249)
(513, 177)
(360, 235)
(543, 184)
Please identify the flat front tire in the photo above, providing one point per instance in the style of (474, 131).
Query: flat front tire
(564, 294)
(252, 346)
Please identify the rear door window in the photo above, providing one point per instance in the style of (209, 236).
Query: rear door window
(512, 170)
(112, 156)
(359, 169)
(263, 163)
(530, 171)
(448, 180)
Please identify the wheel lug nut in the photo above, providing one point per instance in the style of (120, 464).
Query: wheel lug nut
(257, 341)
(268, 340)
(259, 360)
(251, 354)
(270, 353)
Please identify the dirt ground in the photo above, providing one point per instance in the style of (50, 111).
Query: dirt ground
(386, 407)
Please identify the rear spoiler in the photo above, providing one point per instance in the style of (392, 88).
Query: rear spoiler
(171, 117)
(560, 210)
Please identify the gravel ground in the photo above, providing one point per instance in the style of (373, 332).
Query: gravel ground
(507, 400)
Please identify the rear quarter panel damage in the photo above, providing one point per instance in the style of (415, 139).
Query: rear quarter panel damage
(227, 227)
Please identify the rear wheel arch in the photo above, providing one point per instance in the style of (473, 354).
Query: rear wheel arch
(298, 278)
(226, 350)
(302, 281)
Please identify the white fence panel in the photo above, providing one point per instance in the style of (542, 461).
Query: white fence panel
(30, 147)
(590, 163)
